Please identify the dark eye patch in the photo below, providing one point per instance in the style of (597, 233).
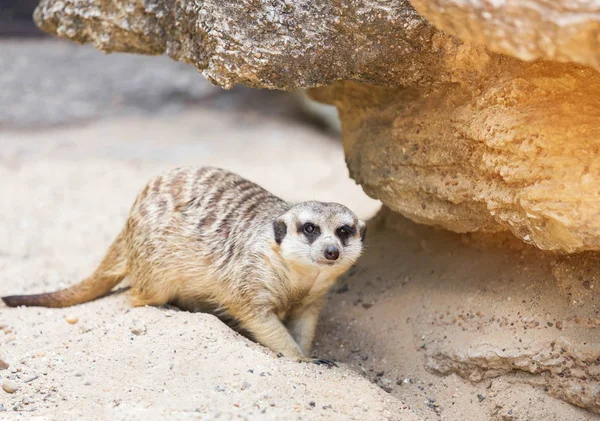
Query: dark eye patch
(310, 231)
(344, 232)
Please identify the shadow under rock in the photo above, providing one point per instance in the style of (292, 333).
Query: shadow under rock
(469, 327)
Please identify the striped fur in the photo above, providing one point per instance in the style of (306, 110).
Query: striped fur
(204, 238)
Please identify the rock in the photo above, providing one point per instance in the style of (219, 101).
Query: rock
(282, 45)
(31, 378)
(3, 364)
(495, 151)
(568, 374)
(138, 330)
(9, 386)
(71, 319)
(561, 30)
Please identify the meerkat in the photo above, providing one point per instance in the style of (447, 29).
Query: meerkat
(206, 238)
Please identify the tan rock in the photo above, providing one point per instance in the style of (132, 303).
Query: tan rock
(513, 147)
(560, 30)
(9, 386)
(71, 319)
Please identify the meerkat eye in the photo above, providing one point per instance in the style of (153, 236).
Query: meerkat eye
(309, 228)
(344, 231)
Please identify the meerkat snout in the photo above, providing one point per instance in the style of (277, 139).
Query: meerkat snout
(332, 253)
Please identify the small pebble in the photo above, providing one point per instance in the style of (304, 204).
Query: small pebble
(71, 319)
(385, 381)
(3, 364)
(2, 408)
(88, 383)
(79, 374)
(31, 378)
(9, 386)
(137, 332)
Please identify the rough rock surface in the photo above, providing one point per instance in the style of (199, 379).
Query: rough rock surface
(559, 30)
(515, 147)
(283, 45)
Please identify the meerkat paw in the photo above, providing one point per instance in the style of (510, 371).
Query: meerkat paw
(320, 361)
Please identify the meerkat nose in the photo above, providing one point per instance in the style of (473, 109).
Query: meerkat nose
(332, 253)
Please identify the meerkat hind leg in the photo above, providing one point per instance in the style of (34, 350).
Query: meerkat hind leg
(147, 294)
(139, 299)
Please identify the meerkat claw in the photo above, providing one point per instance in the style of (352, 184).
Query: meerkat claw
(321, 361)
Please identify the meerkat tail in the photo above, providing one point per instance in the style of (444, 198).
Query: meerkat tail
(111, 271)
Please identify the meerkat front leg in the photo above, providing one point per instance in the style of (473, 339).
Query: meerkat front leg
(269, 331)
(302, 324)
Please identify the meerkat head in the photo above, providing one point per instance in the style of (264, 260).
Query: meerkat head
(320, 234)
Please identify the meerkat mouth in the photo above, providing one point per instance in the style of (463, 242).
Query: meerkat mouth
(324, 262)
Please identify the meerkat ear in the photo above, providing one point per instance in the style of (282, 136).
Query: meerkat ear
(362, 227)
(280, 229)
